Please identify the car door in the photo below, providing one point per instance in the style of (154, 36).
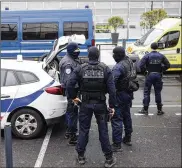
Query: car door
(9, 89)
(171, 50)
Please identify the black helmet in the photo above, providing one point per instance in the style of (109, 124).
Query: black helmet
(93, 53)
(118, 53)
(73, 50)
(154, 46)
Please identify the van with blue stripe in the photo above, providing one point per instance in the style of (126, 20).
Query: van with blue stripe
(31, 33)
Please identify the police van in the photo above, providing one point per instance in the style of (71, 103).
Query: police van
(31, 33)
(167, 33)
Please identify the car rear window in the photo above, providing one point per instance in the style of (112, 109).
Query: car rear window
(11, 79)
(26, 77)
(3, 73)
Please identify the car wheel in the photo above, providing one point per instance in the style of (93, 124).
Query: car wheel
(26, 124)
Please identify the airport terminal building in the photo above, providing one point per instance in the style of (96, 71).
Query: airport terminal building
(129, 11)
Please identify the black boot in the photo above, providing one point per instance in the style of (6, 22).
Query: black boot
(81, 159)
(127, 140)
(144, 110)
(116, 147)
(67, 135)
(111, 161)
(73, 140)
(159, 109)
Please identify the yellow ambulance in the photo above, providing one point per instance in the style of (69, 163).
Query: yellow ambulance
(167, 33)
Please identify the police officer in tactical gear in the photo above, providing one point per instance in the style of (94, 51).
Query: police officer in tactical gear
(124, 77)
(155, 64)
(95, 80)
(67, 64)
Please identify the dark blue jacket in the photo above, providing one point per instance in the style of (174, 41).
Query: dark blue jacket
(118, 72)
(154, 55)
(76, 77)
(66, 67)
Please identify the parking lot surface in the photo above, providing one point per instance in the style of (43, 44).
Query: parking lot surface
(156, 139)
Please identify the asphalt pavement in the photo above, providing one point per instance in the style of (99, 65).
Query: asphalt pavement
(156, 139)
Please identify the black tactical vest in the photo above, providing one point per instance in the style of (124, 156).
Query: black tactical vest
(93, 85)
(154, 65)
(130, 74)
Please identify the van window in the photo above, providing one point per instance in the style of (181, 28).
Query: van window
(9, 32)
(170, 39)
(173, 39)
(40, 31)
(71, 28)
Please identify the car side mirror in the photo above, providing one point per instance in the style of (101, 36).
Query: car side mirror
(161, 45)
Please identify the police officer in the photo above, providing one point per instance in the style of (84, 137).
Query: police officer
(67, 64)
(155, 64)
(95, 80)
(123, 73)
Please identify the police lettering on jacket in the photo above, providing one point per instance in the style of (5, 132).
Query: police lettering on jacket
(93, 73)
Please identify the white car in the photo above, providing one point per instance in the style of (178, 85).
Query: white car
(31, 95)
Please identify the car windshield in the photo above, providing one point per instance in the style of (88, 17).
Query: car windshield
(149, 37)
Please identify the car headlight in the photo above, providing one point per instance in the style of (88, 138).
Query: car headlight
(129, 50)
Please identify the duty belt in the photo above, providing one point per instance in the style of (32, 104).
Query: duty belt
(93, 97)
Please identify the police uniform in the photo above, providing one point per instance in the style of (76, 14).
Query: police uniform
(95, 80)
(123, 72)
(155, 64)
(67, 64)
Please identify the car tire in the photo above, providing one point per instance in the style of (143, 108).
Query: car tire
(20, 119)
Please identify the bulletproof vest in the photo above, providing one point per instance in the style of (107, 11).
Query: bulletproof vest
(154, 64)
(130, 74)
(93, 85)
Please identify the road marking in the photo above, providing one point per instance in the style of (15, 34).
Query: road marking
(178, 113)
(142, 114)
(43, 148)
(140, 106)
(152, 126)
